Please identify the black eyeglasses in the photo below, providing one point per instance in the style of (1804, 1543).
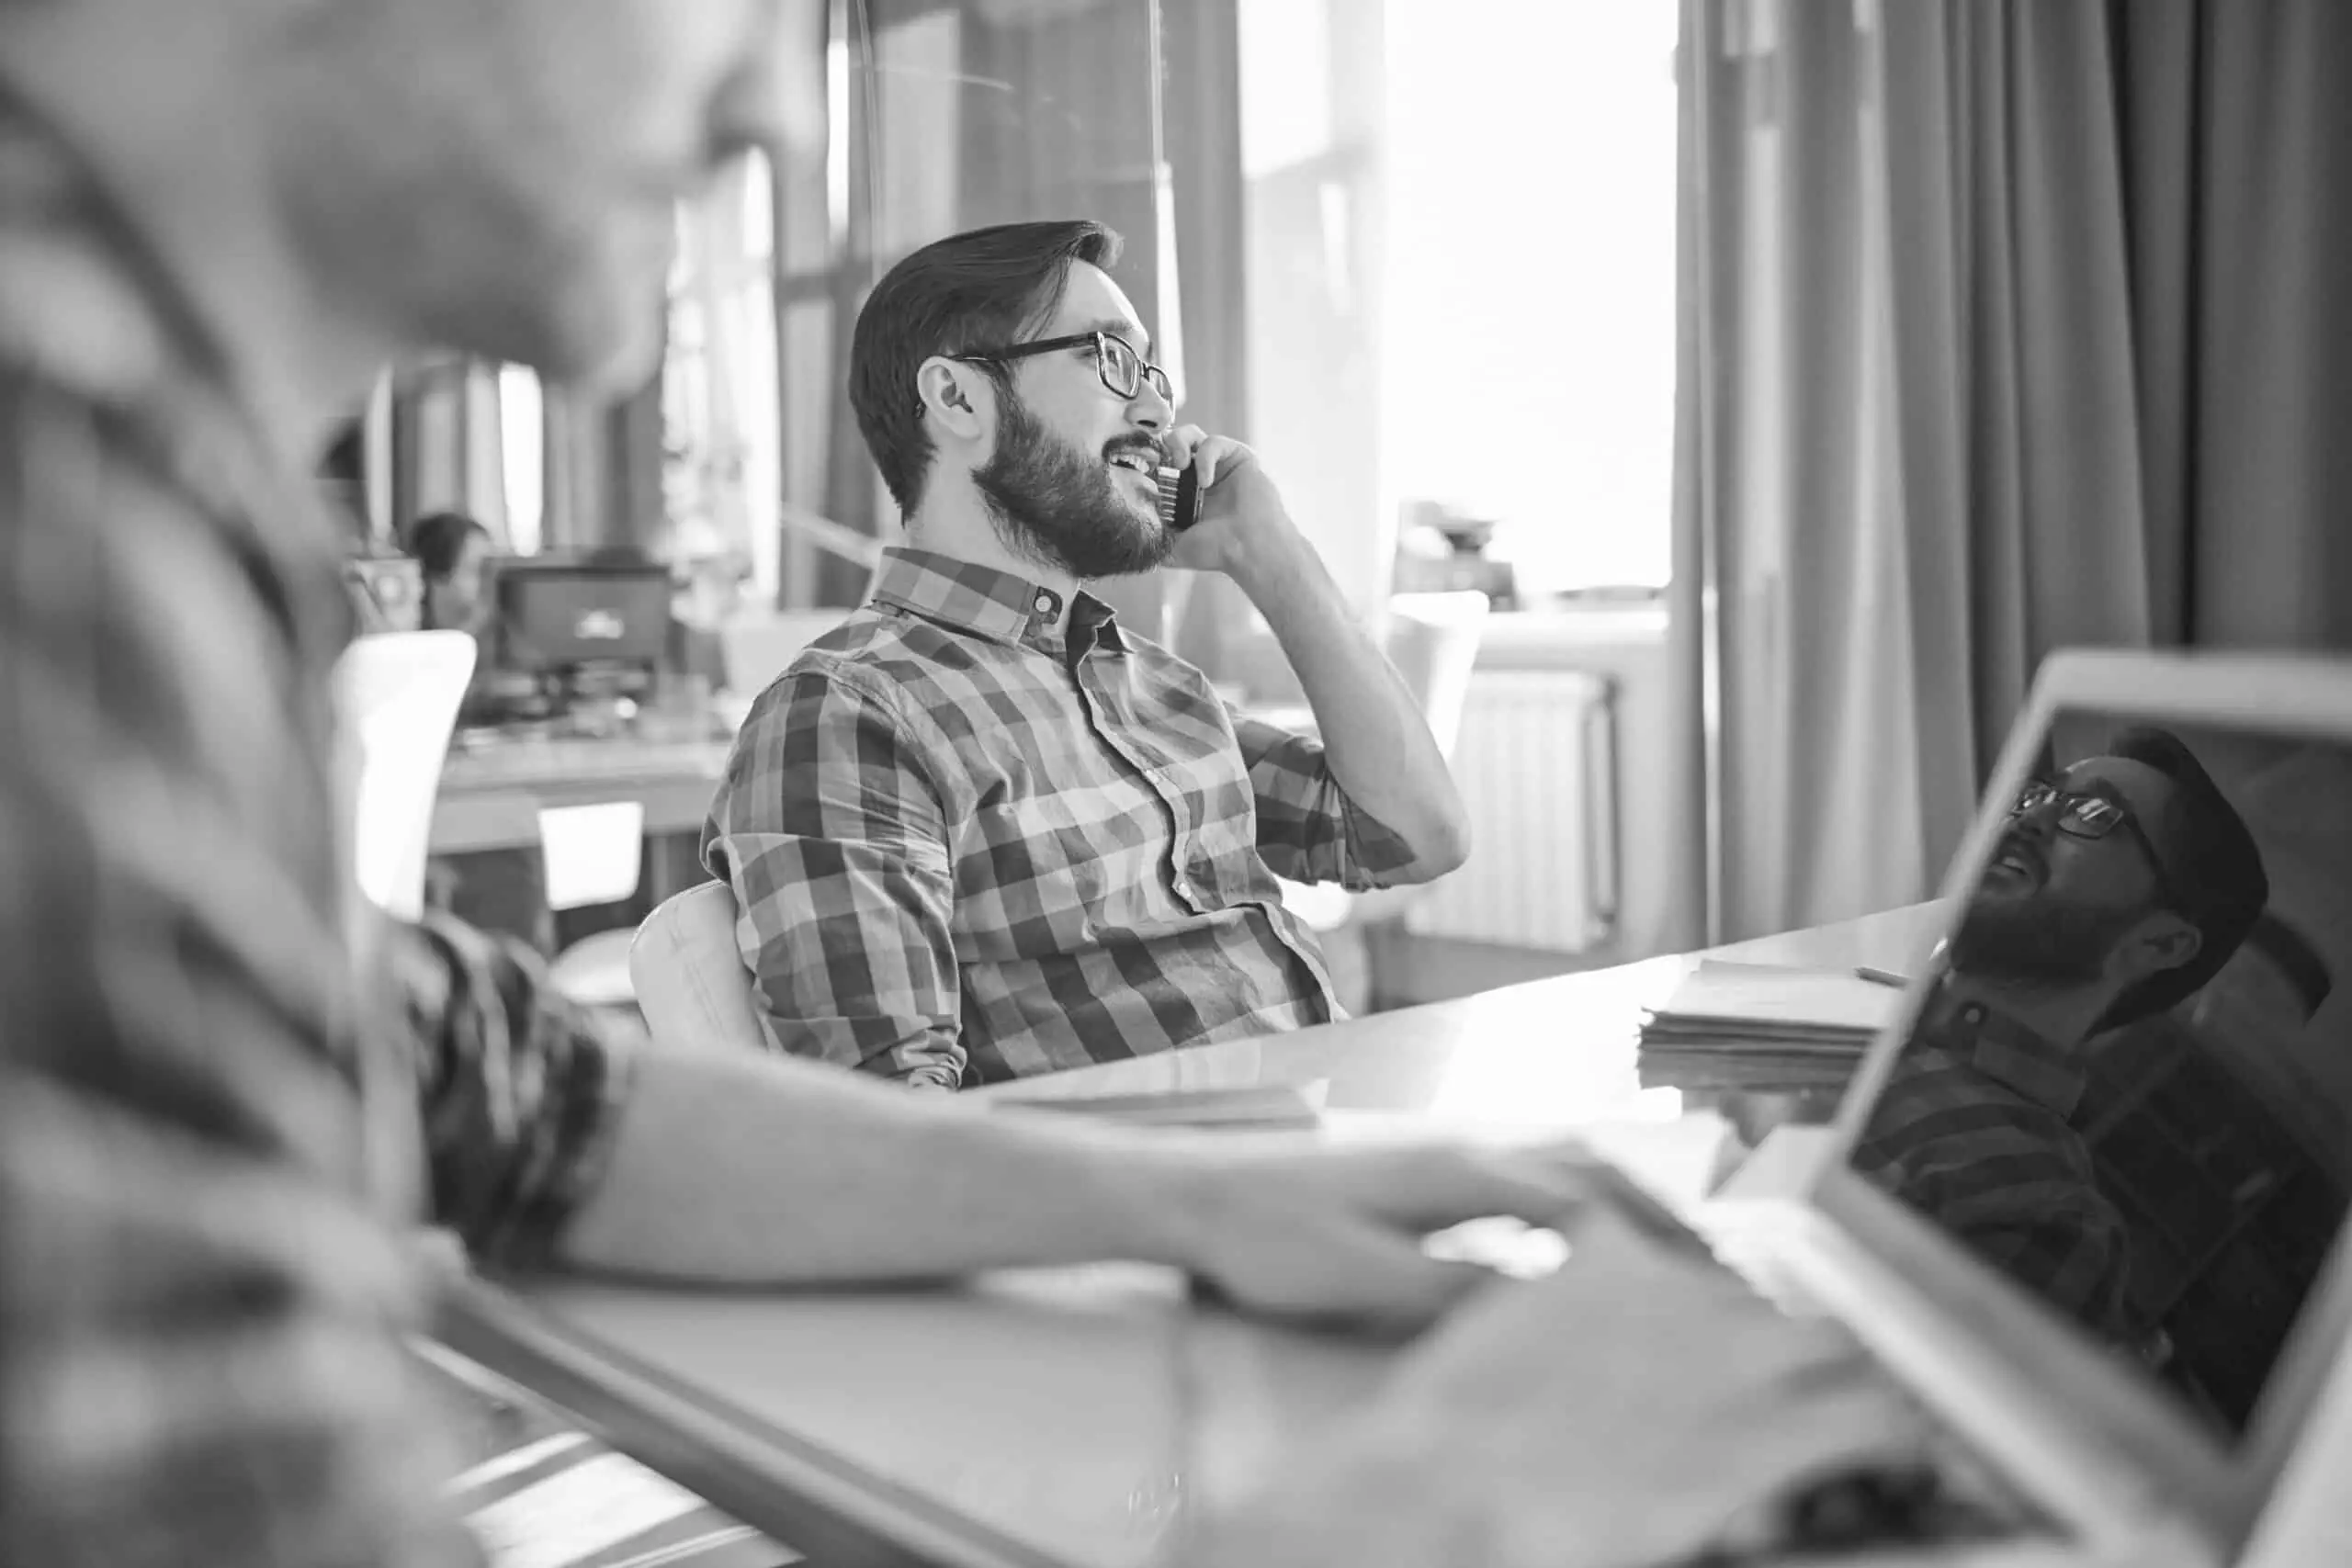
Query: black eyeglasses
(1123, 371)
(2083, 815)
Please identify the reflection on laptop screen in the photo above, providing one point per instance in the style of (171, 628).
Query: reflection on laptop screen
(2130, 1087)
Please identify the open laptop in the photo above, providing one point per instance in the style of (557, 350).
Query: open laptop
(2111, 1256)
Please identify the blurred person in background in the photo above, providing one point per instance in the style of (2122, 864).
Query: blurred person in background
(453, 552)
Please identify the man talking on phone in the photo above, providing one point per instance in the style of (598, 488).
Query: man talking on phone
(984, 829)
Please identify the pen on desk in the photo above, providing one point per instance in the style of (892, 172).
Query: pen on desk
(1881, 976)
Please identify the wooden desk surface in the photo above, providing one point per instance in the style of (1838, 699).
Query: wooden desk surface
(1070, 1416)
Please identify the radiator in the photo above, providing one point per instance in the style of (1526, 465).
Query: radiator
(1536, 763)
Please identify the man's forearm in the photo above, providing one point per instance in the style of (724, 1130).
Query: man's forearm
(751, 1169)
(1376, 738)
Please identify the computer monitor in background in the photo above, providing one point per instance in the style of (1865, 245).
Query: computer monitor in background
(562, 619)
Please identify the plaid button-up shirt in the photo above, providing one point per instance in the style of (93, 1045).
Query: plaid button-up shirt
(223, 1087)
(1974, 1129)
(968, 846)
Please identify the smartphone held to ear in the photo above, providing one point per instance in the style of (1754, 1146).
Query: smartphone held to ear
(1180, 497)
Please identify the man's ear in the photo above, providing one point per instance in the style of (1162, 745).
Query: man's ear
(956, 397)
(2164, 941)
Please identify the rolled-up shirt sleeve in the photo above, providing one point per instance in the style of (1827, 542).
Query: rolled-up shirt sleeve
(520, 1089)
(1308, 831)
(831, 831)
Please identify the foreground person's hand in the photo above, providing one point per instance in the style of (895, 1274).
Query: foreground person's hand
(1338, 1234)
(1621, 1414)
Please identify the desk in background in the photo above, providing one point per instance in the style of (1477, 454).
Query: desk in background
(1049, 1419)
(493, 789)
(492, 793)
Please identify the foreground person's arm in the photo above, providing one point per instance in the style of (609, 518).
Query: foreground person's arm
(756, 1168)
(1630, 1411)
(555, 1135)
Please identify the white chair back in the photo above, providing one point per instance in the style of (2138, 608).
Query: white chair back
(398, 695)
(689, 977)
(1434, 642)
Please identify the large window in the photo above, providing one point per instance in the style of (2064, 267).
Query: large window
(1463, 266)
(1531, 288)
(913, 120)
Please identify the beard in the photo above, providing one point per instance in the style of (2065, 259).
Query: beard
(2036, 941)
(1054, 504)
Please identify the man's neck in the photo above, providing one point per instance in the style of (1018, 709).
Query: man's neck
(955, 521)
(190, 174)
(2063, 1016)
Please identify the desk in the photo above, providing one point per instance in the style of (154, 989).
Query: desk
(491, 794)
(1051, 1419)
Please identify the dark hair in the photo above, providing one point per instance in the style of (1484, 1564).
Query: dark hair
(2211, 864)
(984, 288)
(436, 541)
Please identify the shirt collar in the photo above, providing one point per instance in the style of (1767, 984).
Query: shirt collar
(2013, 1055)
(990, 602)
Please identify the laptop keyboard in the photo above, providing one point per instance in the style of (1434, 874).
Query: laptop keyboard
(1951, 1500)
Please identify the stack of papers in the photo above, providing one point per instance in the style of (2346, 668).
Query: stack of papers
(1755, 1026)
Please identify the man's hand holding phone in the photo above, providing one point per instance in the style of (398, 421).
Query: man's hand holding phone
(1241, 528)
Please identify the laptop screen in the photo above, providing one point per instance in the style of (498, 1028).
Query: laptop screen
(2129, 1088)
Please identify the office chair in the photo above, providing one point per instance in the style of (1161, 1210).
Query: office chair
(691, 983)
(398, 695)
(1434, 642)
(593, 855)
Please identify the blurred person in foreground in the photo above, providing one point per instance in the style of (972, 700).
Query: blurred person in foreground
(226, 1089)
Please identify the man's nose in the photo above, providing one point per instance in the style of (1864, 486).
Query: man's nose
(2039, 822)
(1150, 410)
